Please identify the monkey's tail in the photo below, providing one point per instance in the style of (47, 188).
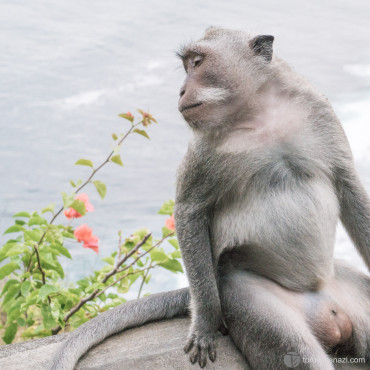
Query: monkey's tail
(128, 315)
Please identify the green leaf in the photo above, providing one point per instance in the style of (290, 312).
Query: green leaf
(172, 265)
(117, 159)
(84, 162)
(109, 260)
(174, 242)
(37, 220)
(68, 199)
(10, 333)
(167, 208)
(114, 136)
(25, 288)
(47, 257)
(33, 235)
(48, 320)
(55, 309)
(8, 284)
(166, 231)
(8, 269)
(62, 250)
(56, 266)
(22, 214)
(127, 116)
(12, 293)
(158, 255)
(73, 184)
(176, 254)
(21, 321)
(79, 206)
(142, 133)
(46, 290)
(101, 188)
(49, 208)
(14, 229)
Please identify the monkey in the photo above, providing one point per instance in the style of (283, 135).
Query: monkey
(266, 178)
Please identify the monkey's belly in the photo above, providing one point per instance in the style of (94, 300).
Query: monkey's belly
(286, 236)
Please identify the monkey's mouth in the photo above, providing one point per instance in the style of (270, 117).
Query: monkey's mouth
(189, 106)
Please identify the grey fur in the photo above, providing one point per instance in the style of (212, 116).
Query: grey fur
(266, 177)
(267, 174)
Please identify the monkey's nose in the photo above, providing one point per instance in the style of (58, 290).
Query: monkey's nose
(182, 92)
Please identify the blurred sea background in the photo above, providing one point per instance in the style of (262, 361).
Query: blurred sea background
(68, 68)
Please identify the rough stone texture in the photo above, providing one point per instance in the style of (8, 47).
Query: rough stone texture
(153, 346)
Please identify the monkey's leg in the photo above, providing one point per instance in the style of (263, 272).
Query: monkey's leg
(266, 327)
(351, 290)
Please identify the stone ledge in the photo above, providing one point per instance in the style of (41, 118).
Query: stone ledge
(150, 347)
(153, 346)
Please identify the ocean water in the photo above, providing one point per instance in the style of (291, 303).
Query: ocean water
(68, 68)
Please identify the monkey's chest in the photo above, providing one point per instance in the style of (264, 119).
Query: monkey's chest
(285, 233)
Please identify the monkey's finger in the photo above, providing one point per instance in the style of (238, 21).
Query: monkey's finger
(189, 345)
(202, 357)
(194, 354)
(212, 352)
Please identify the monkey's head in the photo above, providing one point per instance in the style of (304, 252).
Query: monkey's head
(224, 70)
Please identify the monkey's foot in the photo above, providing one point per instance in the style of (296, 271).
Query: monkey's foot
(198, 346)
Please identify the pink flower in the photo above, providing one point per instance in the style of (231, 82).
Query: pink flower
(72, 213)
(170, 223)
(92, 243)
(84, 234)
(84, 198)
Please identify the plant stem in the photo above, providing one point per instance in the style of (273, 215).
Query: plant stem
(40, 268)
(133, 126)
(96, 292)
(143, 281)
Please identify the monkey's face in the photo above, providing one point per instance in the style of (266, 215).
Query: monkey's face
(221, 79)
(207, 92)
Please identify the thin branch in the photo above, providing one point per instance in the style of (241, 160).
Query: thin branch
(82, 186)
(39, 265)
(104, 280)
(120, 262)
(122, 277)
(143, 281)
(146, 252)
(40, 268)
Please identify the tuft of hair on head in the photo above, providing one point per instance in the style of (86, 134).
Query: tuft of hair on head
(180, 53)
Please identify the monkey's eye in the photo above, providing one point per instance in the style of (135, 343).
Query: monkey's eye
(197, 60)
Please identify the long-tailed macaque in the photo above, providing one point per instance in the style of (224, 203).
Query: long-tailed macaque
(267, 175)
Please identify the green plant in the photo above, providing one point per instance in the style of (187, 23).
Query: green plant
(34, 300)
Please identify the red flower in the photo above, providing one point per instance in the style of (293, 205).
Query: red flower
(83, 234)
(170, 223)
(72, 213)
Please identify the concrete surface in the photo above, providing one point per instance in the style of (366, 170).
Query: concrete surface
(150, 347)
(153, 346)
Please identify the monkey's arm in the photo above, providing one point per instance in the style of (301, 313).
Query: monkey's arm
(354, 209)
(193, 235)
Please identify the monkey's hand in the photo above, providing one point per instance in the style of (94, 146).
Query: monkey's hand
(201, 339)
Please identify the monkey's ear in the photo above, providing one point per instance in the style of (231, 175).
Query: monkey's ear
(262, 45)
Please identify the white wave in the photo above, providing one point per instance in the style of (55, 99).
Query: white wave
(154, 64)
(75, 101)
(355, 118)
(362, 70)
